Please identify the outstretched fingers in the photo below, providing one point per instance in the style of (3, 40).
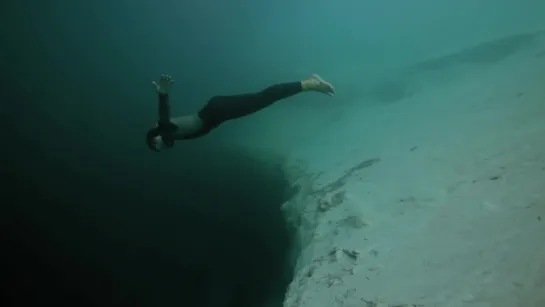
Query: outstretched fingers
(166, 79)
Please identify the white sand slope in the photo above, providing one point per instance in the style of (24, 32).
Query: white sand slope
(434, 200)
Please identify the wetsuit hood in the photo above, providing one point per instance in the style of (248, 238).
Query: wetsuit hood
(150, 136)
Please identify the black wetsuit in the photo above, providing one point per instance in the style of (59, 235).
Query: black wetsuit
(220, 109)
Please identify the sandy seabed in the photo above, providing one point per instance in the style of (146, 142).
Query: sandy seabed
(435, 200)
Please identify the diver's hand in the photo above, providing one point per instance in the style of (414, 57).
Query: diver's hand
(164, 84)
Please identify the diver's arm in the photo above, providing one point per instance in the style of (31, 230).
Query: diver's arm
(164, 109)
(164, 125)
(162, 87)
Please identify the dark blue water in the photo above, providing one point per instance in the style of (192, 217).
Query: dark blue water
(91, 217)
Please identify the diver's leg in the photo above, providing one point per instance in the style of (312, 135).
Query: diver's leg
(235, 106)
(223, 108)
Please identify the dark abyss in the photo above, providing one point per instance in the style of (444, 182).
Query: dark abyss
(90, 217)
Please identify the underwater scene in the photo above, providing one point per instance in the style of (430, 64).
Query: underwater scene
(273, 153)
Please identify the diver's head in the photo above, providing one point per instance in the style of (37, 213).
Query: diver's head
(151, 138)
(155, 140)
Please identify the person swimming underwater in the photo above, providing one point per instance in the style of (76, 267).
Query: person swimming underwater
(220, 109)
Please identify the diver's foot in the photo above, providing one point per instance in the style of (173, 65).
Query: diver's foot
(317, 84)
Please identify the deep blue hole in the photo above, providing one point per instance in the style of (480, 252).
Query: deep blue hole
(82, 239)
